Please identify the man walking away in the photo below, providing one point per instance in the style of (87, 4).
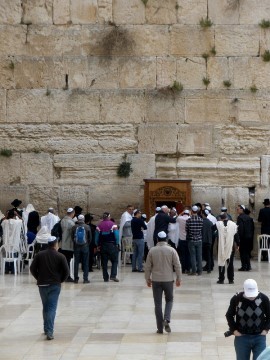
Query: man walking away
(81, 233)
(248, 318)
(50, 269)
(161, 262)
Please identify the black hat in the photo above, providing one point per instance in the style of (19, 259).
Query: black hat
(16, 202)
(266, 202)
(77, 209)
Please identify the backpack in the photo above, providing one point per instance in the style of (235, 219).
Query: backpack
(79, 237)
(57, 230)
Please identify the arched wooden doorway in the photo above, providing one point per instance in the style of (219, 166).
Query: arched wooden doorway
(173, 193)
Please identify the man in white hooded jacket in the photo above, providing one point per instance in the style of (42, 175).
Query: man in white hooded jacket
(227, 238)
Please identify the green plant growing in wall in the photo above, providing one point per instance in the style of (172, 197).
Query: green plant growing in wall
(205, 23)
(205, 56)
(253, 88)
(124, 169)
(227, 83)
(11, 65)
(206, 81)
(264, 24)
(213, 51)
(266, 56)
(177, 86)
(177, 6)
(48, 92)
(145, 2)
(6, 152)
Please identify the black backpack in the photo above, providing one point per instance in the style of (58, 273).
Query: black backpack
(57, 231)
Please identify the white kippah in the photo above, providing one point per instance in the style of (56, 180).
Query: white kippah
(162, 235)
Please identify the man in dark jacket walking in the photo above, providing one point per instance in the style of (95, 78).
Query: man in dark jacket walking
(82, 237)
(50, 269)
(245, 231)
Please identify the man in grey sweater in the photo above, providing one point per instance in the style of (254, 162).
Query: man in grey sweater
(161, 261)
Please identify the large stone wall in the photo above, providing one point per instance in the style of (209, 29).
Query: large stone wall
(84, 83)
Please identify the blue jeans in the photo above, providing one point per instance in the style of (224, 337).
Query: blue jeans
(138, 251)
(81, 253)
(158, 288)
(246, 344)
(49, 297)
(195, 250)
(184, 255)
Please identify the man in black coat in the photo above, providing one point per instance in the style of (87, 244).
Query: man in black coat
(162, 221)
(246, 232)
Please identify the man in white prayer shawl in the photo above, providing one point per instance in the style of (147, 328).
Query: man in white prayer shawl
(125, 223)
(49, 220)
(150, 230)
(227, 238)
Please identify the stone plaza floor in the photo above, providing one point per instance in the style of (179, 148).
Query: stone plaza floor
(115, 321)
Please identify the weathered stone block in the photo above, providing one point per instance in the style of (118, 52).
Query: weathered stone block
(166, 167)
(209, 194)
(233, 197)
(37, 11)
(70, 197)
(191, 40)
(162, 107)
(7, 73)
(161, 12)
(73, 106)
(3, 106)
(254, 111)
(191, 11)
(265, 162)
(195, 140)
(12, 40)
(104, 11)
(27, 106)
(143, 167)
(220, 171)
(236, 140)
(253, 11)
(218, 70)
(137, 73)
(43, 197)
(122, 107)
(237, 40)
(150, 40)
(157, 139)
(10, 12)
(6, 163)
(83, 11)
(32, 73)
(128, 12)
(166, 71)
(61, 12)
(208, 110)
(190, 72)
(36, 169)
(224, 11)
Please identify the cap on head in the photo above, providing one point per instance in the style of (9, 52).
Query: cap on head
(16, 202)
(70, 210)
(162, 236)
(195, 208)
(208, 208)
(81, 217)
(206, 212)
(51, 239)
(206, 204)
(242, 207)
(223, 209)
(186, 211)
(250, 288)
(158, 209)
(105, 215)
(144, 216)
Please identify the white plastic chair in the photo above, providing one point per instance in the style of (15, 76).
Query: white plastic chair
(263, 245)
(30, 253)
(71, 268)
(10, 253)
(127, 248)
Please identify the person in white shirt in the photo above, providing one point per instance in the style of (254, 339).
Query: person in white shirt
(50, 219)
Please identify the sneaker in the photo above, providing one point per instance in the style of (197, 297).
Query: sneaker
(86, 281)
(50, 337)
(192, 274)
(76, 281)
(242, 269)
(167, 326)
(69, 279)
(231, 282)
(220, 282)
(114, 279)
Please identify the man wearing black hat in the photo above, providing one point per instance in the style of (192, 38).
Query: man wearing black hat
(161, 262)
(15, 203)
(264, 219)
